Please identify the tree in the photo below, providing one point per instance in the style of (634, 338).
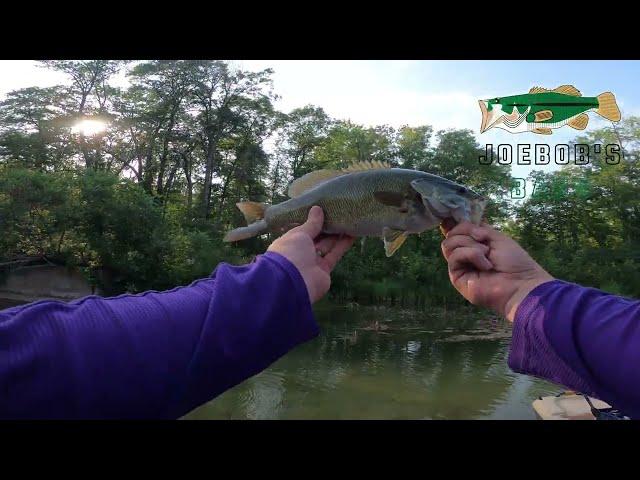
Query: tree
(456, 157)
(583, 222)
(414, 146)
(87, 96)
(32, 131)
(166, 87)
(223, 100)
(148, 201)
(348, 143)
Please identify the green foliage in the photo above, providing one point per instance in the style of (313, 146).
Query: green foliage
(145, 204)
(583, 222)
(123, 228)
(35, 208)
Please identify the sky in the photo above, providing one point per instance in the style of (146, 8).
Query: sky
(443, 94)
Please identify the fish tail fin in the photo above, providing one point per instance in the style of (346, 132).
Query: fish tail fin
(252, 211)
(608, 107)
(256, 225)
(242, 233)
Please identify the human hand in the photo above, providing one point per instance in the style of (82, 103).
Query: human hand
(489, 268)
(314, 255)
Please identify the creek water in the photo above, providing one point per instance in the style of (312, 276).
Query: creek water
(385, 363)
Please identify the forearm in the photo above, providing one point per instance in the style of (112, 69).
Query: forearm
(155, 355)
(582, 338)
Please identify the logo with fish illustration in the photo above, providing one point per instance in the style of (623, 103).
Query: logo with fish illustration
(541, 110)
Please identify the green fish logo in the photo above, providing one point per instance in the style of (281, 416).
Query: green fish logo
(542, 110)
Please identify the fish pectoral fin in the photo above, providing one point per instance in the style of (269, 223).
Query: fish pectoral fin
(393, 240)
(568, 90)
(443, 231)
(580, 122)
(542, 131)
(391, 199)
(543, 115)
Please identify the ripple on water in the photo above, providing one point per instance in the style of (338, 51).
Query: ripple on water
(405, 371)
(265, 395)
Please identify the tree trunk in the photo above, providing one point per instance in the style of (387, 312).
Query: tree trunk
(88, 161)
(187, 173)
(165, 150)
(172, 175)
(208, 177)
(149, 168)
(225, 185)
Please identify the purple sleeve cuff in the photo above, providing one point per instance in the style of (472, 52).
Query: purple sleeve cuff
(531, 353)
(308, 328)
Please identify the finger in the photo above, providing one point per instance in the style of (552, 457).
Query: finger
(461, 258)
(325, 244)
(482, 233)
(463, 228)
(313, 225)
(485, 233)
(341, 247)
(452, 242)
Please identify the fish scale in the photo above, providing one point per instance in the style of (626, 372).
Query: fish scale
(353, 207)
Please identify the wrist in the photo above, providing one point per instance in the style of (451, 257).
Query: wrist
(522, 291)
(297, 274)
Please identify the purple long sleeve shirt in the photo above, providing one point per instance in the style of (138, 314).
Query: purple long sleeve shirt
(161, 354)
(583, 338)
(154, 355)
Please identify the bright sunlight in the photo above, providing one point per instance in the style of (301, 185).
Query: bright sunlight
(89, 127)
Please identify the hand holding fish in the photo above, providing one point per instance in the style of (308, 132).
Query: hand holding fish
(314, 255)
(489, 268)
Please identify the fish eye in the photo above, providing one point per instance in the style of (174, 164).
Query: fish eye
(496, 100)
(462, 190)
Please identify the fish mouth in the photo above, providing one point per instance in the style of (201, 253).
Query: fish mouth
(485, 116)
(443, 198)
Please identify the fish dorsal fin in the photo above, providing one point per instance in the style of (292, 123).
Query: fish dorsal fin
(366, 165)
(568, 90)
(538, 90)
(311, 180)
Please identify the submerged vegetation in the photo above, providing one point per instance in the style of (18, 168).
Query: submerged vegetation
(137, 186)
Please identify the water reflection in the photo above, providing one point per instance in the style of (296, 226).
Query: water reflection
(380, 364)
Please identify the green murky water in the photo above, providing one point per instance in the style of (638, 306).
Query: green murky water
(381, 363)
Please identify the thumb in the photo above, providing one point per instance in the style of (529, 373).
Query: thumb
(314, 223)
